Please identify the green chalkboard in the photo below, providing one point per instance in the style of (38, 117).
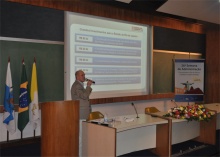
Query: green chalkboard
(50, 68)
(163, 70)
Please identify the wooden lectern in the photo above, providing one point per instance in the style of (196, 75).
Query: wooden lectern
(60, 128)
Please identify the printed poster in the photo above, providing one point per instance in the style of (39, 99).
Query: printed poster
(189, 80)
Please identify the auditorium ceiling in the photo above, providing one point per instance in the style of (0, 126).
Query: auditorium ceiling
(202, 10)
(188, 10)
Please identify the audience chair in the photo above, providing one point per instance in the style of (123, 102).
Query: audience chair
(95, 115)
(151, 110)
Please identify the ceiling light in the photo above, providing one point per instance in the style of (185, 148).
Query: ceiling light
(124, 1)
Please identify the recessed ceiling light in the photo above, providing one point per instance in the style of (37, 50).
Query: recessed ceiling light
(124, 1)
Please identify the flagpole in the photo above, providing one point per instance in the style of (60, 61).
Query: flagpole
(35, 63)
(23, 115)
(22, 130)
(7, 130)
(34, 107)
(7, 136)
(8, 117)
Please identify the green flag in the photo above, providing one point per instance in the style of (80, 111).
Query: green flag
(23, 113)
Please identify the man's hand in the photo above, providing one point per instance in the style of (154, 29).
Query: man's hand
(89, 83)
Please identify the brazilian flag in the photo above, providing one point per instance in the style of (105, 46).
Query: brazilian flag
(23, 112)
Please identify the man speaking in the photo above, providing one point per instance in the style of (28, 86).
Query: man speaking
(78, 92)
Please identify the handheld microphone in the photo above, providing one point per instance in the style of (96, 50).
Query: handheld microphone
(174, 102)
(90, 80)
(135, 109)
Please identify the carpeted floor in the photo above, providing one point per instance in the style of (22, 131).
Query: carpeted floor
(186, 149)
(23, 150)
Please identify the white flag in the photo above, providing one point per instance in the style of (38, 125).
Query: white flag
(8, 115)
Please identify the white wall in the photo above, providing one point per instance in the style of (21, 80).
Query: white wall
(27, 132)
(125, 108)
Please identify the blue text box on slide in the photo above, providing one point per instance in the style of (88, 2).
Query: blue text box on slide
(82, 38)
(109, 70)
(116, 80)
(107, 61)
(87, 49)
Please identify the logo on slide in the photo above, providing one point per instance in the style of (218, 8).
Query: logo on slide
(135, 28)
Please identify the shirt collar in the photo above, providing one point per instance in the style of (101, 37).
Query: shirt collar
(81, 83)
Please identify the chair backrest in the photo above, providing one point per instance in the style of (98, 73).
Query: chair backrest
(151, 110)
(95, 115)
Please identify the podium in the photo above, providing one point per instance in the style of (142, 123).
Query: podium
(60, 128)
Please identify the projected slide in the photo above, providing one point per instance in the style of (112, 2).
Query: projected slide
(113, 54)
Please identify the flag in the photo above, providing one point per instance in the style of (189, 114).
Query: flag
(8, 116)
(23, 114)
(33, 106)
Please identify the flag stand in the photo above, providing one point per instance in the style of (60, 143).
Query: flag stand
(21, 134)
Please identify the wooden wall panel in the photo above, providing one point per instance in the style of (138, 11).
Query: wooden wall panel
(132, 98)
(119, 99)
(60, 128)
(212, 75)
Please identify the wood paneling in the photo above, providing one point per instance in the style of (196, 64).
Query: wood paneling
(132, 98)
(208, 131)
(119, 99)
(163, 137)
(212, 75)
(60, 128)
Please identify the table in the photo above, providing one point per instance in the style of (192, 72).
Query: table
(129, 134)
(213, 106)
(145, 127)
(153, 132)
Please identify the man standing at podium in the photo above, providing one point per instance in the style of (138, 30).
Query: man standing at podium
(78, 92)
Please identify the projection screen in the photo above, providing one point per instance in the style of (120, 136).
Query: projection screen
(115, 54)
